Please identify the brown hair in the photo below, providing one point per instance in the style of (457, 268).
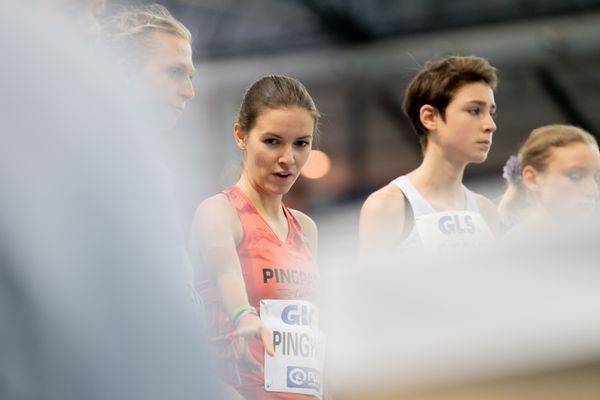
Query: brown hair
(536, 152)
(274, 91)
(438, 81)
(131, 31)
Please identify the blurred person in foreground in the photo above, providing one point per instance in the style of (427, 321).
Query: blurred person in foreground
(552, 181)
(90, 297)
(451, 105)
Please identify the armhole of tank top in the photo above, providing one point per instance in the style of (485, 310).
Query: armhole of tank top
(295, 228)
(292, 220)
(409, 220)
(471, 200)
(237, 213)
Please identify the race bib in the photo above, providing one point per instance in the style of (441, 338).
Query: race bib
(453, 230)
(299, 345)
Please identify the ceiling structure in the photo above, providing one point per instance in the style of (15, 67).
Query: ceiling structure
(225, 28)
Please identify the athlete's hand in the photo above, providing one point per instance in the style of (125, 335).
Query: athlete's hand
(250, 325)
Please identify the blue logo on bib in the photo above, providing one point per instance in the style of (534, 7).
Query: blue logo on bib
(298, 315)
(304, 378)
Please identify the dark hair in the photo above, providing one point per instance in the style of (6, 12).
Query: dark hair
(437, 83)
(274, 92)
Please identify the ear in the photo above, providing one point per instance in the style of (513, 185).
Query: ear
(240, 136)
(530, 177)
(428, 115)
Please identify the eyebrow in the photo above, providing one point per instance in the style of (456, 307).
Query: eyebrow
(184, 66)
(483, 104)
(280, 137)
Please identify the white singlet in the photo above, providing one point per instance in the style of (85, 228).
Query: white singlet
(443, 230)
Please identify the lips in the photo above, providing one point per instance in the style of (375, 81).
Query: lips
(284, 177)
(485, 143)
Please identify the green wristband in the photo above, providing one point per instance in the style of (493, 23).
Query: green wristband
(236, 312)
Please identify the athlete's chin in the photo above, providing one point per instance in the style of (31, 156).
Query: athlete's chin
(280, 190)
(478, 159)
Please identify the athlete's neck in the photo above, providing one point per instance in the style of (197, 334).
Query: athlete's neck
(268, 205)
(439, 180)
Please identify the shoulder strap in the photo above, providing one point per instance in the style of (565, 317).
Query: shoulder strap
(471, 202)
(409, 220)
(419, 205)
(249, 218)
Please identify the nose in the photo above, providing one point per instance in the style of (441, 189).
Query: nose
(186, 90)
(286, 157)
(489, 125)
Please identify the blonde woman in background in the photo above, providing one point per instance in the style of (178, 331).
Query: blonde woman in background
(553, 179)
(156, 52)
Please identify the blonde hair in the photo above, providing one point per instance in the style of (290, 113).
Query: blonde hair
(131, 31)
(536, 152)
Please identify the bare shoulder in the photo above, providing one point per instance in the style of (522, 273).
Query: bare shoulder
(215, 207)
(489, 211)
(216, 213)
(309, 228)
(304, 220)
(381, 223)
(385, 202)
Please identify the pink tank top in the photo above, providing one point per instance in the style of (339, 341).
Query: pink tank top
(272, 269)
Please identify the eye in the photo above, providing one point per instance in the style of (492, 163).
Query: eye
(494, 114)
(575, 176)
(474, 110)
(271, 141)
(175, 72)
(303, 143)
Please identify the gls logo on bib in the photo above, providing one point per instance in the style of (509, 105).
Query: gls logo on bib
(295, 314)
(455, 225)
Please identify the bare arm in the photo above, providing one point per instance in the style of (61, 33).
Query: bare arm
(216, 231)
(381, 223)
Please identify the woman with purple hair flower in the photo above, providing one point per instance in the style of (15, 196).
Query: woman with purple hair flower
(554, 175)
